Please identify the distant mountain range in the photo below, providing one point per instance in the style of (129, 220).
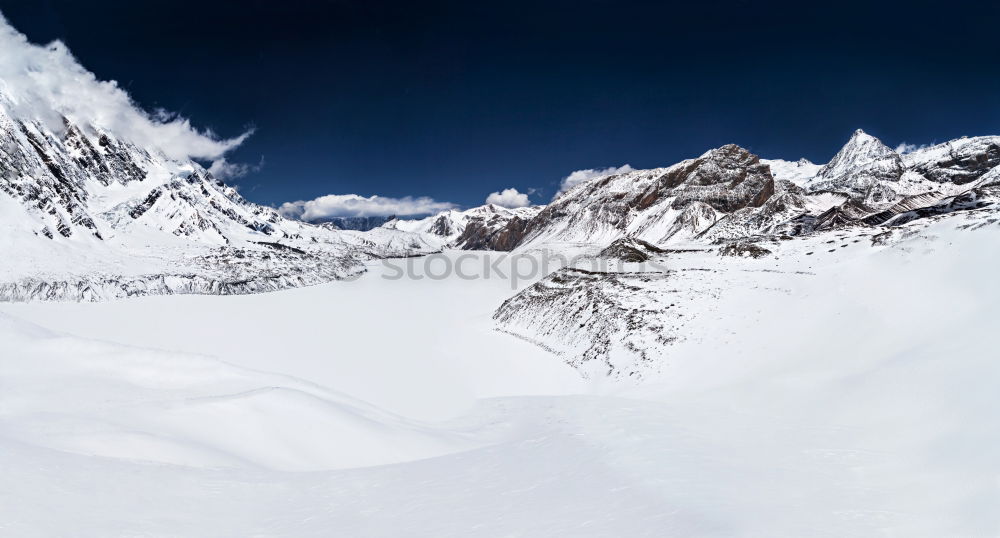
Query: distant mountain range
(723, 222)
(730, 194)
(360, 224)
(93, 215)
(92, 205)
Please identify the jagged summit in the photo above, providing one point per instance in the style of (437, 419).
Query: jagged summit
(863, 163)
(93, 215)
(726, 209)
(100, 199)
(729, 193)
(961, 161)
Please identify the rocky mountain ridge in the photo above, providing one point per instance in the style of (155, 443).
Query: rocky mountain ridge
(673, 241)
(360, 224)
(91, 215)
(487, 227)
(730, 194)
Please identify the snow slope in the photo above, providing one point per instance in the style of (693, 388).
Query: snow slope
(94, 398)
(815, 347)
(380, 340)
(100, 199)
(855, 402)
(625, 320)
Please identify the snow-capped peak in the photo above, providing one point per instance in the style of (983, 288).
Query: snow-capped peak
(860, 151)
(863, 163)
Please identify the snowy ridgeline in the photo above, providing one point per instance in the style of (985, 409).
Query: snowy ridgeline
(100, 199)
(729, 194)
(91, 214)
(861, 394)
(624, 312)
(669, 243)
(86, 216)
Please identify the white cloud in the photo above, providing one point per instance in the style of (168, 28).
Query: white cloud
(582, 176)
(508, 198)
(353, 205)
(46, 83)
(223, 169)
(904, 147)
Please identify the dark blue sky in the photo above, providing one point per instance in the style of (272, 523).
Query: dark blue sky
(455, 100)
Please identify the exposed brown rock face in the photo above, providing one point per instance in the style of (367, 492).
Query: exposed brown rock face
(509, 237)
(727, 179)
(724, 180)
(764, 195)
(443, 227)
(744, 249)
(632, 250)
(495, 230)
(729, 194)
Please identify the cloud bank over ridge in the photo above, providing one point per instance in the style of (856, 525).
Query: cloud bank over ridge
(582, 176)
(510, 198)
(45, 82)
(354, 205)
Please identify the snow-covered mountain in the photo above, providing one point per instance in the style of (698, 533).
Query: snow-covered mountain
(661, 247)
(856, 388)
(487, 227)
(862, 168)
(730, 194)
(813, 336)
(361, 224)
(100, 199)
(92, 206)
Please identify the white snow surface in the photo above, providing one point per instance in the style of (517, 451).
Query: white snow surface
(798, 172)
(857, 399)
(840, 383)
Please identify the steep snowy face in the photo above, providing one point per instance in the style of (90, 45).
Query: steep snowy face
(447, 224)
(877, 180)
(863, 155)
(864, 167)
(91, 216)
(84, 181)
(99, 199)
(798, 172)
(959, 161)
